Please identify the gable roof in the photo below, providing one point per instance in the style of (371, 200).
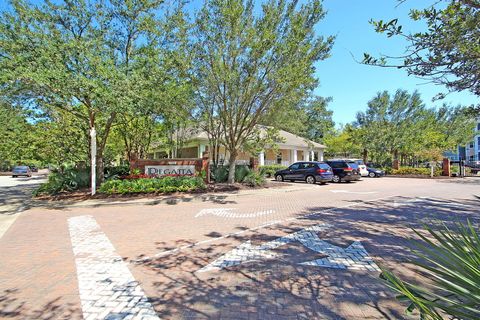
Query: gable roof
(290, 140)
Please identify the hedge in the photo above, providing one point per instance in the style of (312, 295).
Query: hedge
(270, 170)
(416, 171)
(152, 185)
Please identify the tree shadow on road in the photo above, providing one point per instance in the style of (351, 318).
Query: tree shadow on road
(281, 288)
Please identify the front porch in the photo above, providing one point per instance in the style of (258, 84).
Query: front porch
(286, 157)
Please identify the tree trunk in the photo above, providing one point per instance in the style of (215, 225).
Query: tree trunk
(100, 167)
(231, 168)
(365, 155)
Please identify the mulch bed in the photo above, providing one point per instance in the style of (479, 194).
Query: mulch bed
(84, 194)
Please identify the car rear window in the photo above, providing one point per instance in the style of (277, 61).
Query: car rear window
(338, 164)
(359, 162)
(20, 168)
(353, 164)
(323, 166)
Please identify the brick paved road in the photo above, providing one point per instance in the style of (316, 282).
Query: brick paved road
(164, 246)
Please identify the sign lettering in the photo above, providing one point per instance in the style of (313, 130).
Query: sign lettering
(165, 170)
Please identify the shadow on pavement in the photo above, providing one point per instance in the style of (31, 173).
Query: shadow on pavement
(281, 288)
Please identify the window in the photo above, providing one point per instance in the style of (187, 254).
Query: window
(478, 126)
(338, 164)
(294, 166)
(279, 158)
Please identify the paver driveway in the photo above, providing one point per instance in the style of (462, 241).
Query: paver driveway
(304, 252)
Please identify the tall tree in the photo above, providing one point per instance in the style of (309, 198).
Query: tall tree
(402, 127)
(250, 63)
(92, 59)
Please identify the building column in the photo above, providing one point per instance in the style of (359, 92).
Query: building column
(305, 155)
(261, 158)
(320, 155)
(201, 150)
(312, 155)
(295, 155)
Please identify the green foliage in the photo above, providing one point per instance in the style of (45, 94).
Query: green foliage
(97, 60)
(220, 173)
(254, 179)
(116, 172)
(269, 170)
(400, 127)
(342, 143)
(69, 180)
(248, 63)
(450, 279)
(416, 171)
(446, 52)
(241, 172)
(152, 185)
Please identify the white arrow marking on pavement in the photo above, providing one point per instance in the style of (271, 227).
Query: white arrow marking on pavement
(353, 192)
(229, 213)
(247, 252)
(354, 257)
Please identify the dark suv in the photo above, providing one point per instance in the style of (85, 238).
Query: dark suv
(310, 172)
(344, 170)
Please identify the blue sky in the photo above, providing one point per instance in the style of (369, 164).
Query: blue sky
(351, 84)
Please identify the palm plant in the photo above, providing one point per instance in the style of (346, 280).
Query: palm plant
(450, 262)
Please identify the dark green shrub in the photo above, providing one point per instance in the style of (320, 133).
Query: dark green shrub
(116, 172)
(70, 180)
(164, 185)
(220, 174)
(270, 170)
(254, 179)
(241, 171)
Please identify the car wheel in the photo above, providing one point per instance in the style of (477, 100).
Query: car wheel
(372, 174)
(279, 178)
(310, 180)
(336, 179)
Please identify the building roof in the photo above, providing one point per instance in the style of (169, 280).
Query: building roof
(290, 140)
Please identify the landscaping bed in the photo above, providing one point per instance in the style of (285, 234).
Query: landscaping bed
(84, 193)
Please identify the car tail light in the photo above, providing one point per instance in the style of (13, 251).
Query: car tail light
(322, 170)
(348, 169)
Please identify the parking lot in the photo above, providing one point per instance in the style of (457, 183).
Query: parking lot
(298, 252)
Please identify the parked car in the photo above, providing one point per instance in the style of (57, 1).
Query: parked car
(21, 171)
(344, 170)
(310, 172)
(374, 172)
(361, 166)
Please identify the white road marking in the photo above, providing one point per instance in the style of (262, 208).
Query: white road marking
(354, 257)
(274, 222)
(107, 288)
(353, 192)
(229, 213)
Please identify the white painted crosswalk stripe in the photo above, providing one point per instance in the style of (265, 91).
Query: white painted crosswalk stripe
(107, 288)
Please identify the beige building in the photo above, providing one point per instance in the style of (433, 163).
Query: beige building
(293, 148)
